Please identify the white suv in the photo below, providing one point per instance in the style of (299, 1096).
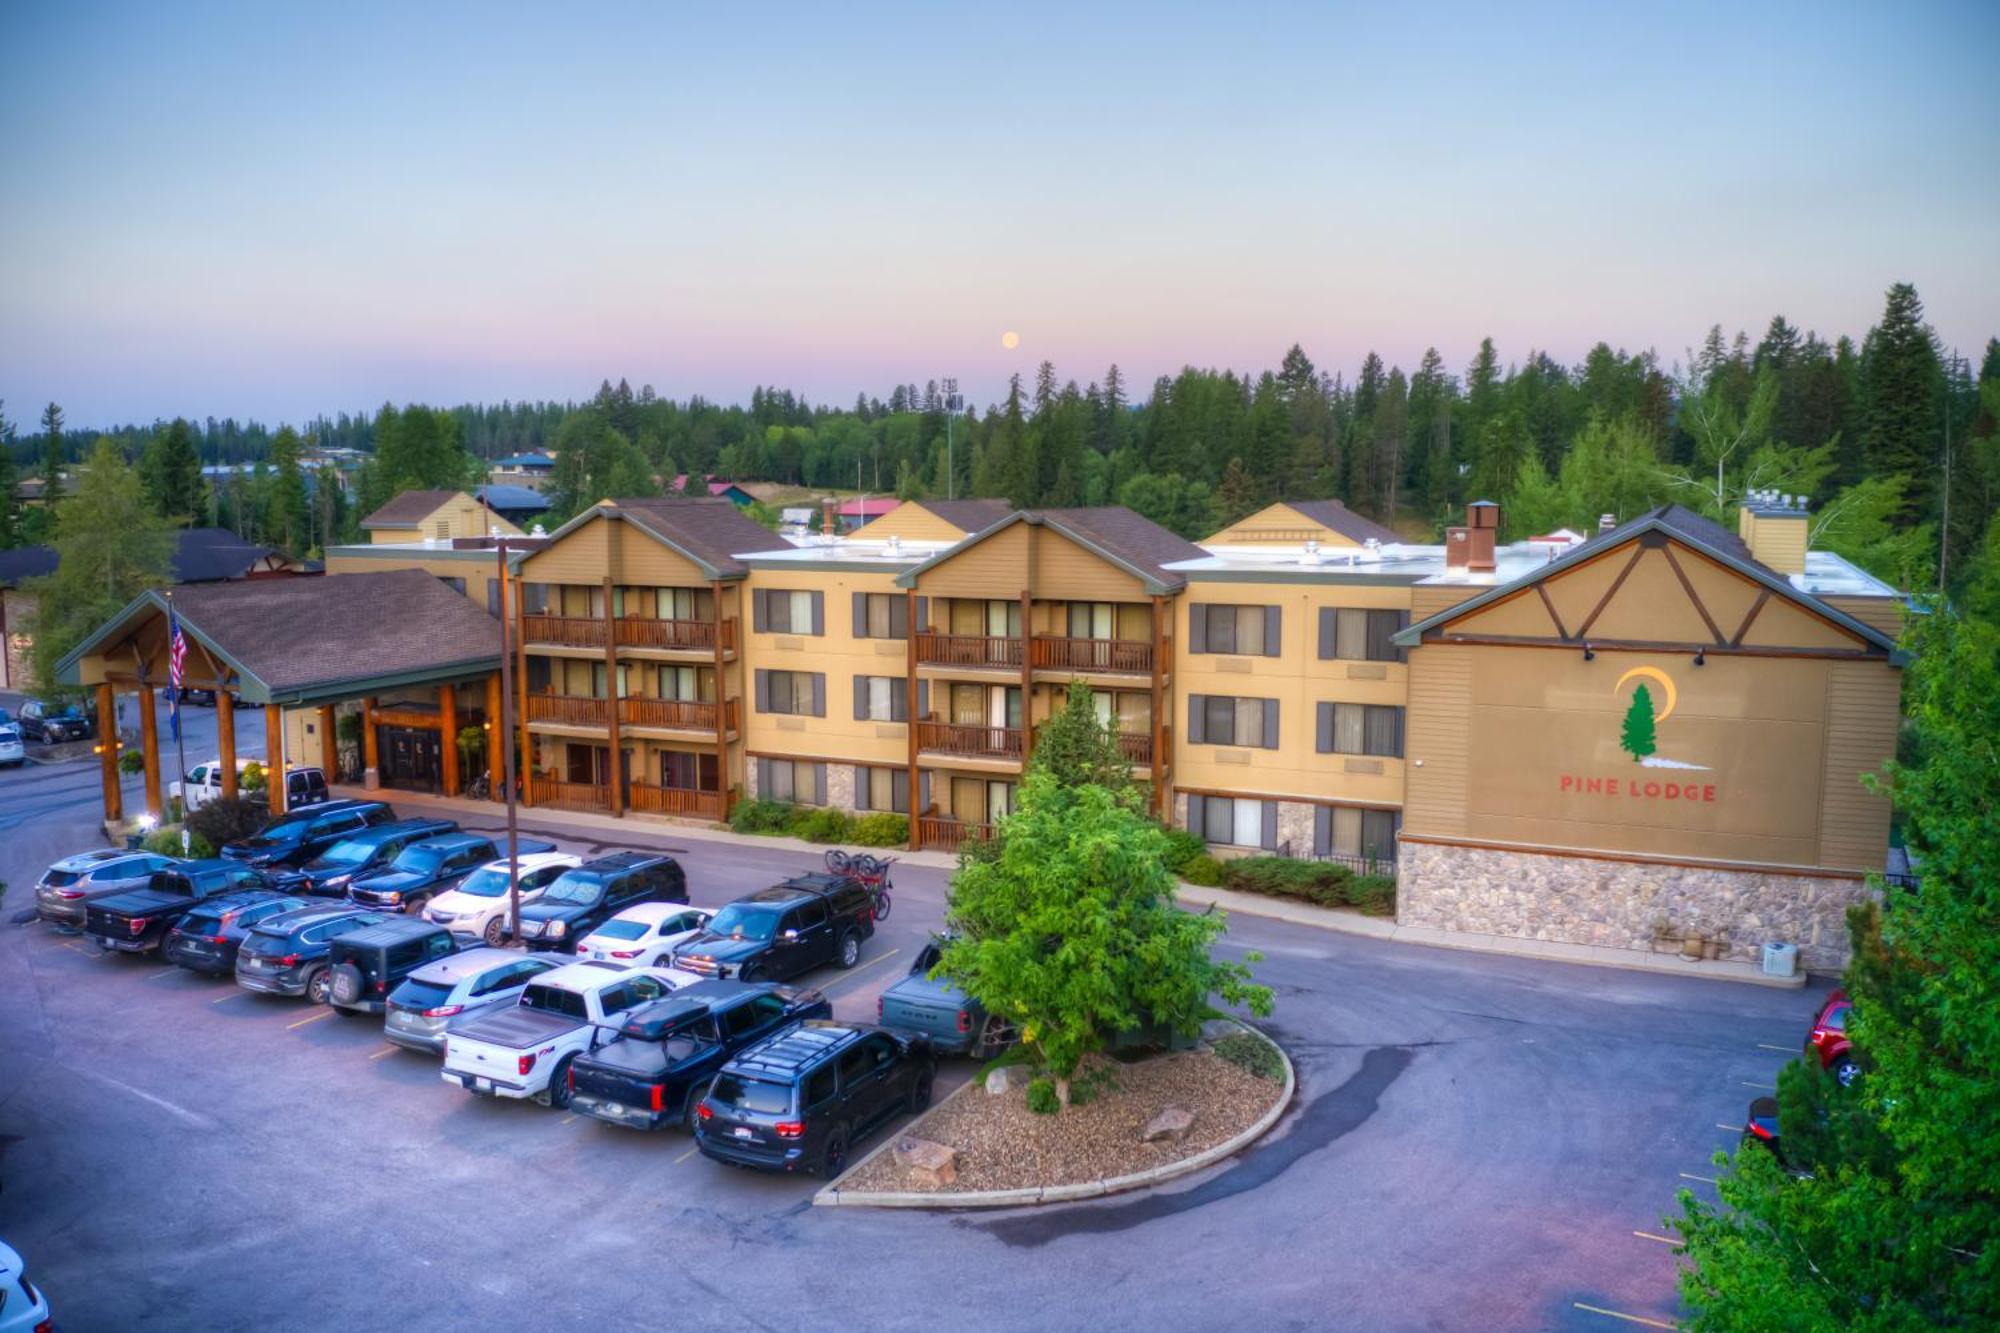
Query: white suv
(477, 908)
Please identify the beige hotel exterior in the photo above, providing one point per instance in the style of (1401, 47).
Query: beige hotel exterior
(1302, 683)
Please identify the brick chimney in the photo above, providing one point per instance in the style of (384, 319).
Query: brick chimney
(829, 516)
(1775, 528)
(1471, 547)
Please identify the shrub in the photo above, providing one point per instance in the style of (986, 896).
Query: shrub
(167, 842)
(1373, 894)
(131, 761)
(228, 819)
(1182, 848)
(821, 825)
(880, 829)
(1322, 883)
(1252, 1054)
(760, 816)
(1203, 870)
(1042, 1098)
(253, 778)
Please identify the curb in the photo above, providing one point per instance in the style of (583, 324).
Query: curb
(832, 1196)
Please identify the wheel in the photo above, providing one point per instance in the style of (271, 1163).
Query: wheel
(850, 951)
(319, 986)
(345, 987)
(416, 906)
(750, 974)
(691, 1113)
(882, 905)
(995, 1036)
(834, 1155)
(1846, 1070)
(838, 861)
(920, 1093)
(560, 1091)
(495, 933)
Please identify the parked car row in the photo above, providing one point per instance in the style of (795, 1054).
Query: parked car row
(1827, 1045)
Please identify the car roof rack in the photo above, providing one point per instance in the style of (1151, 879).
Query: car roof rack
(787, 1052)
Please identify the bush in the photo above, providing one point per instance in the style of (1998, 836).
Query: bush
(1042, 1099)
(253, 778)
(1323, 883)
(167, 842)
(1252, 1054)
(820, 825)
(228, 819)
(131, 761)
(761, 816)
(880, 829)
(1183, 848)
(1373, 894)
(1203, 870)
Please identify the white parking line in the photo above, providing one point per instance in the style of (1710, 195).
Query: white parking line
(1733, 1129)
(1766, 1046)
(1664, 1240)
(324, 1013)
(1628, 1318)
(1706, 1180)
(854, 972)
(164, 972)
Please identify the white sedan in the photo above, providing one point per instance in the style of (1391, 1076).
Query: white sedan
(643, 935)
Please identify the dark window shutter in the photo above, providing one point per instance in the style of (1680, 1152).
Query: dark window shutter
(1197, 721)
(818, 694)
(860, 697)
(1323, 742)
(924, 788)
(923, 698)
(899, 791)
(860, 787)
(764, 779)
(1198, 628)
(923, 616)
(760, 611)
(763, 687)
(1327, 632)
(1274, 620)
(1195, 824)
(1270, 843)
(1270, 724)
(1322, 828)
(819, 784)
(860, 615)
(899, 616)
(899, 702)
(818, 613)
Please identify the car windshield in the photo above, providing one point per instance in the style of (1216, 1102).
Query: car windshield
(487, 883)
(744, 923)
(414, 994)
(751, 1094)
(344, 854)
(622, 930)
(576, 888)
(420, 860)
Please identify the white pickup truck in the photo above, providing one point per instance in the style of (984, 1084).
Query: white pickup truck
(525, 1051)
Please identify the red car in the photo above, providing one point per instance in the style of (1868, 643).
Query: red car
(1829, 1040)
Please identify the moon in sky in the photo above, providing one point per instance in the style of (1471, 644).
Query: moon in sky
(1661, 678)
(1010, 340)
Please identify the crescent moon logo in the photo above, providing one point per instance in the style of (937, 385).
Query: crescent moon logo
(1659, 677)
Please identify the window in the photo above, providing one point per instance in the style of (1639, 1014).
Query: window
(1361, 636)
(1220, 719)
(1245, 630)
(799, 780)
(740, 1021)
(810, 916)
(1374, 729)
(881, 699)
(685, 771)
(1233, 821)
(881, 615)
(820, 1086)
(882, 789)
(1092, 620)
(493, 598)
(535, 599)
(855, 1064)
(685, 683)
(802, 693)
(778, 611)
(457, 585)
(1348, 830)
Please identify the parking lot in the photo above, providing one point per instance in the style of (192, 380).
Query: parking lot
(1478, 1142)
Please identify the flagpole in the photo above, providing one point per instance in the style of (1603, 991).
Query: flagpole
(174, 676)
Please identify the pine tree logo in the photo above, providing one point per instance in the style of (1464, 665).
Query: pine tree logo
(1637, 738)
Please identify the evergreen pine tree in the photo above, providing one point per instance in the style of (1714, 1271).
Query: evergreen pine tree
(52, 456)
(289, 519)
(1902, 385)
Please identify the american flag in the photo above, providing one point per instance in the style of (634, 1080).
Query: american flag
(177, 651)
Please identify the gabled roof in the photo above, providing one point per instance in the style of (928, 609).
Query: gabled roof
(708, 533)
(26, 562)
(872, 507)
(521, 498)
(1337, 516)
(409, 509)
(1131, 541)
(1682, 525)
(533, 460)
(968, 515)
(375, 630)
(200, 555)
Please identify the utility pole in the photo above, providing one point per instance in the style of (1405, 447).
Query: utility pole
(507, 746)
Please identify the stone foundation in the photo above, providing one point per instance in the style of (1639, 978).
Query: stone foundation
(1623, 904)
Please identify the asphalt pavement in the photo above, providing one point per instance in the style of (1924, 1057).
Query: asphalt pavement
(1478, 1142)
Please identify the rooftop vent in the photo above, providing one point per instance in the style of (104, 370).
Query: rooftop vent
(1606, 522)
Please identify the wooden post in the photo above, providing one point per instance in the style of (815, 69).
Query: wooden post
(107, 753)
(521, 690)
(617, 773)
(910, 705)
(329, 744)
(1027, 678)
(371, 745)
(274, 756)
(721, 709)
(448, 723)
(493, 738)
(151, 742)
(1159, 706)
(225, 737)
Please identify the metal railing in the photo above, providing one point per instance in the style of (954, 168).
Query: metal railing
(969, 741)
(945, 834)
(569, 631)
(688, 635)
(968, 650)
(571, 710)
(653, 799)
(1361, 863)
(1112, 656)
(571, 795)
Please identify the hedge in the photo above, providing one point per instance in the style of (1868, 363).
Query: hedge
(1324, 883)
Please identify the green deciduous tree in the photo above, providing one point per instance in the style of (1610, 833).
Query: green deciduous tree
(1070, 932)
(1172, 501)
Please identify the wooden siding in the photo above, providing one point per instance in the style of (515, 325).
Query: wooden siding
(996, 567)
(1067, 572)
(1522, 614)
(911, 522)
(1777, 542)
(644, 562)
(1783, 624)
(584, 556)
(1278, 524)
(1437, 740)
(1883, 613)
(1863, 702)
(1426, 600)
(1650, 606)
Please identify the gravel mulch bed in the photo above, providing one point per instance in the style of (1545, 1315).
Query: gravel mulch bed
(1003, 1145)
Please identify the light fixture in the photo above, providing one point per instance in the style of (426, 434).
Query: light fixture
(1700, 657)
(147, 822)
(1588, 656)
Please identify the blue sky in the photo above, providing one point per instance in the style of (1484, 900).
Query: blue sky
(270, 211)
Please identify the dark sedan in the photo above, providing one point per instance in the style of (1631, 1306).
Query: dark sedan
(207, 939)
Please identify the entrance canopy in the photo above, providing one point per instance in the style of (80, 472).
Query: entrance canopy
(295, 642)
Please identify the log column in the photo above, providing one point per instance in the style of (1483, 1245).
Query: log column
(1027, 679)
(1159, 706)
(721, 706)
(910, 704)
(225, 737)
(107, 753)
(493, 737)
(617, 774)
(274, 757)
(521, 692)
(371, 747)
(151, 743)
(329, 744)
(448, 722)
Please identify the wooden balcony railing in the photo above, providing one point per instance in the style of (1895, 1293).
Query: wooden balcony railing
(1138, 747)
(650, 798)
(676, 714)
(971, 742)
(571, 710)
(570, 795)
(688, 635)
(570, 631)
(967, 650)
(944, 834)
(1120, 656)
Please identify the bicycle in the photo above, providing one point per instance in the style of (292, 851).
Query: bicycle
(872, 872)
(479, 789)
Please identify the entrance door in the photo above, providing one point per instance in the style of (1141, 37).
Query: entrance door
(411, 759)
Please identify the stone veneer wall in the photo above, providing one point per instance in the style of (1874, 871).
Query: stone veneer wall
(1295, 826)
(1623, 904)
(19, 608)
(839, 785)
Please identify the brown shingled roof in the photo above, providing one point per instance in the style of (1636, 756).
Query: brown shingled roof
(711, 532)
(1130, 536)
(1338, 517)
(408, 509)
(969, 515)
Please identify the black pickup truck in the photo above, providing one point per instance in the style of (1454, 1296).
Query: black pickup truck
(654, 1072)
(137, 921)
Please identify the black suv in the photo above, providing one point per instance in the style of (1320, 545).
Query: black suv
(368, 963)
(286, 954)
(357, 856)
(422, 870)
(206, 939)
(784, 930)
(297, 837)
(53, 721)
(800, 1100)
(584, 898)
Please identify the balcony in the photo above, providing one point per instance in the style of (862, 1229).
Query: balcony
(651, 799)
(969, 742)
(943, 833)
(566, 631)
(569, 710)
(979, 651)
(557, 793)
(1129, 657)
(676, 714)
(1137, 747)
(695, 636)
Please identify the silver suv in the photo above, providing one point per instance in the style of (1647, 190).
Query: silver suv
(67, 888)
(428, 1001)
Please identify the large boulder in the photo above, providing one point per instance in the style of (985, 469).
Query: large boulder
(1005, 1078)
(932, 1164)
(1169, 1126)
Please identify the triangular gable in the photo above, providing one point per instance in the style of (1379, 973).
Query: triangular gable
(606, 510)
(147, 614)
(1149, 581)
